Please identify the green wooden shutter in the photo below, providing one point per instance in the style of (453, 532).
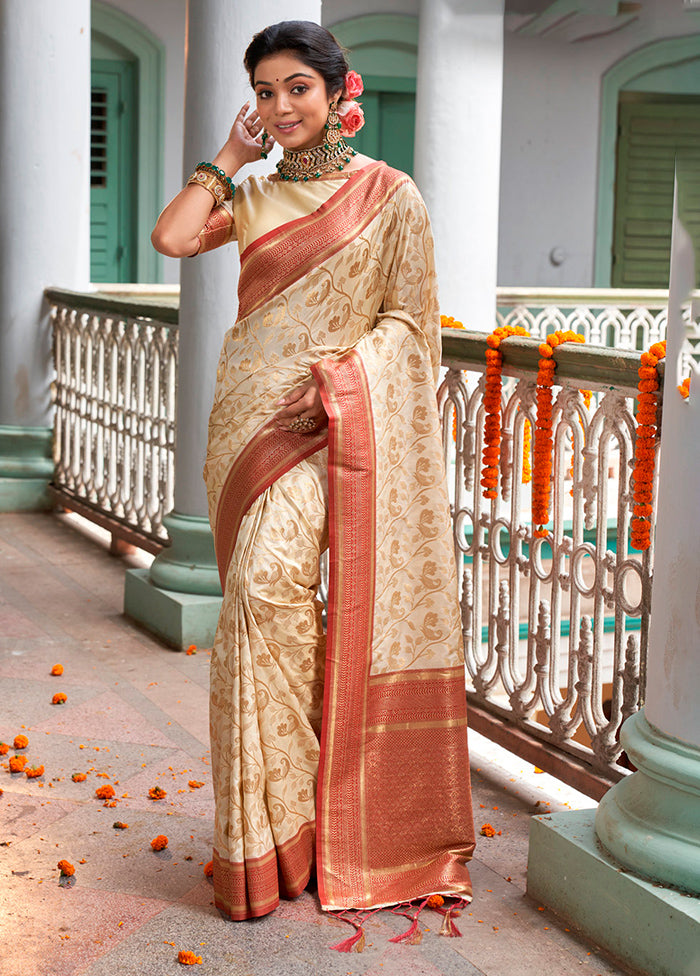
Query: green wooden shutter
(651, 134)
(112, 171)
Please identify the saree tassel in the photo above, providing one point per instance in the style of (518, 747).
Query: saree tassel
(448, 927)
(354, 943)
(412, 935)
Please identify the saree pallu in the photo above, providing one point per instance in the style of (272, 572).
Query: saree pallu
(346, 750)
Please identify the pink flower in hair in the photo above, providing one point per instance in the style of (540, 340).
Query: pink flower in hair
(354, 85)
(352, 118)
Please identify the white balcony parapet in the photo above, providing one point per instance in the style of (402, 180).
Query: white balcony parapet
(114, 393)
(555, 629)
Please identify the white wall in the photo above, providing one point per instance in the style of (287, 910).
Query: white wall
(551, 109)
(549, 160)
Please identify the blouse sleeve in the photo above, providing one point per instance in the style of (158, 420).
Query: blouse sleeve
(219, 229)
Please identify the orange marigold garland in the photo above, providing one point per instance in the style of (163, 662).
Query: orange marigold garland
(492, 406)
(544, 441)
(645, 446)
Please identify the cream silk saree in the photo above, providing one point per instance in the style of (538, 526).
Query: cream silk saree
(343, 751)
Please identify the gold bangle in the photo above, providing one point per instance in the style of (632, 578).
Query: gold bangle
(210, 181)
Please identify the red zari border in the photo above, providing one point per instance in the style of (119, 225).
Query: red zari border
(269, 454)
(285, 869)
(390, 743)
(286, 254)
(351, 491)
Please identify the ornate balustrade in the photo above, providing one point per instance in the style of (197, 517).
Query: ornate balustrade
(554, 628)
(619, 318)
(114, 394)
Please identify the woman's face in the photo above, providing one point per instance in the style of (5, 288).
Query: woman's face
(291, 100)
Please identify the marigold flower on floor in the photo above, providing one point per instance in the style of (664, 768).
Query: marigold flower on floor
(159, 843)
(57, 669)
(119, 825)
(21, 742)
(192, 649)
(79, 777)
(188, 958)
(4, 748)
(487, 830)
(59, 698)
(435, 901)
(209, 869)
(33, 771)
(157, 793)
(104, 792)
(66, 869)
(17, 763)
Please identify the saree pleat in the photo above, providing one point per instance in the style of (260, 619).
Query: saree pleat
(345, 752)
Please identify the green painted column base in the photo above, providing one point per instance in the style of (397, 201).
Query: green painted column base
(26, 468)
(650, 821)
(179, 619)
(652, 929)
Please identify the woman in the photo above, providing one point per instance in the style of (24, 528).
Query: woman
(344, 753)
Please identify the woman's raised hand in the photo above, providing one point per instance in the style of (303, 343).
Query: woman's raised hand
(244, 143)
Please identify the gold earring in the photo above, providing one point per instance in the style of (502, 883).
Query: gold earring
(333, 125)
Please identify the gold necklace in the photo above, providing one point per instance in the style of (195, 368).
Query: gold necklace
(309, 164)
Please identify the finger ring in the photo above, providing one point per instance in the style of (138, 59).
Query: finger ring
(303, 423)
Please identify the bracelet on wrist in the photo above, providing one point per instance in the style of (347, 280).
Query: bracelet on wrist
(214, 180)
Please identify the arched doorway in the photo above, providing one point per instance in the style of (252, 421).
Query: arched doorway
(384, 49)
(126, 146)
(650, 110)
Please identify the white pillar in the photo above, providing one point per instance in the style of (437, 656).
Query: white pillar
(44, 231)
(458, 149)
(180, 598)
(217, 85)
(649, 821)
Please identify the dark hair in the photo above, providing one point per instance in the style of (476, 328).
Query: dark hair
(312, 44)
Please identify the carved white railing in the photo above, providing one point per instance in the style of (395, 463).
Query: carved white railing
(614, 317)
(114, 411)
(555, 628)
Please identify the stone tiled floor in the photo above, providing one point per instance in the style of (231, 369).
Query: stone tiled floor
(136, 717)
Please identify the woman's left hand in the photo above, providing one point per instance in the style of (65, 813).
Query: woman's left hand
(303, 403)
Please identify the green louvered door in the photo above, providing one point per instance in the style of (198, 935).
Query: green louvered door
(112, 172)
(651, 133)
(390, 123)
